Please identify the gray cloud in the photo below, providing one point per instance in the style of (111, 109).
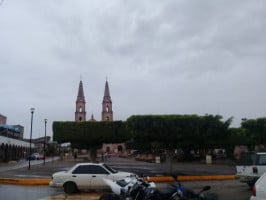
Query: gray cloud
(170, 57)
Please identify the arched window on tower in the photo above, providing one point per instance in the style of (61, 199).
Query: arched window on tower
(80, 118)
(107, 108)
(80, 109)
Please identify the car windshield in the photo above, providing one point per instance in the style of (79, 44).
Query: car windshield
(110, 169)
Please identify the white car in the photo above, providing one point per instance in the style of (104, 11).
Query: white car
(259, 189)
(86, 176)
(251, 166)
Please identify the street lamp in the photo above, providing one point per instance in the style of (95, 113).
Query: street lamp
(32, 111)
(45, 122)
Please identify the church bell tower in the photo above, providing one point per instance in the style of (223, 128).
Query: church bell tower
(107, 111)
(80, 114)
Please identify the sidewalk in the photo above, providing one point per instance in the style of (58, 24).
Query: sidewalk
(37, 169)
(40, 174)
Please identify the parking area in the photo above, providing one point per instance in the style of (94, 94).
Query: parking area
(226, 190)
(230, 189)
(81, 196)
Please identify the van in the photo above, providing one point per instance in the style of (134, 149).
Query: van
(251, 166)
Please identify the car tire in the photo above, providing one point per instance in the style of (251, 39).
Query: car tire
(109, 196)
(70, 187)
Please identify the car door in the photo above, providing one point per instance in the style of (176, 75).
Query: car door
(98, 173)
(82, 176)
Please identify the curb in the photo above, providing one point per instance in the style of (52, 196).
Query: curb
(206, 178)
(190, 178)
(45, 181)
(25, 181)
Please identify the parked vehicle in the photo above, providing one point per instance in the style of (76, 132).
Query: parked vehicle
(251, 166)
(187, 194)
(128, 189)
(138, 189)
(219, 153)
(259, 189)
(35, 156)
(86, 176)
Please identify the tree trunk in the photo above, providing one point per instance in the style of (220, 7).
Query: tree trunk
(92, 154)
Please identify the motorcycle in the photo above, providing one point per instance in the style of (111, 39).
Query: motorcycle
(138, 189)
(187, 194)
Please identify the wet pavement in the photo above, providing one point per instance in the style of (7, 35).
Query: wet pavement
(14, 192)
(38, 169)
(226, 189)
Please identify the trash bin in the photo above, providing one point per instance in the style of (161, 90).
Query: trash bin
(157, 159)
(208, 159)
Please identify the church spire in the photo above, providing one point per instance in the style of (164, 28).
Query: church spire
(80, 91)
(80, 114)
(107, 112)
(106, 91)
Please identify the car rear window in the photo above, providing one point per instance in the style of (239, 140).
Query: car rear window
(247, 158)
(262, 159)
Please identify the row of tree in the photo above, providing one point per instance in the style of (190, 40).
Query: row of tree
(154, 132)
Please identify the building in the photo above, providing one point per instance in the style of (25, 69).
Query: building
(107, 110)
(12, 131)
(2, 119)
(12, 145)
(80, 114)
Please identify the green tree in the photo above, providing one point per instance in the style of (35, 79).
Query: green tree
(90, 135)
(172, 131)
(255, 130)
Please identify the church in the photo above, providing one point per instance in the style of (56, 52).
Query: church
(107, 115)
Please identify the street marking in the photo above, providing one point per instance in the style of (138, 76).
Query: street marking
(85, 196)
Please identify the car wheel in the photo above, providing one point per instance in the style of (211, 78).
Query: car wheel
(109, 196)
(70, 187)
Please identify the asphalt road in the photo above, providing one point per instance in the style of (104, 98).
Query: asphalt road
(220, 167)
(227, 189)
(150, 169)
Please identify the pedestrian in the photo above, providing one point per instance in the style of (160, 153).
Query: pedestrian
(75, 155)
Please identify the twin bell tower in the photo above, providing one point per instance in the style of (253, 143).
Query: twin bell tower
(107, 111)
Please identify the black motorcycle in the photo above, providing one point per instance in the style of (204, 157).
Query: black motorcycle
(142, 190)
(187, 194)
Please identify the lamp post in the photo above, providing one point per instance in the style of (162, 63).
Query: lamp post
(44, 144)
(32, 111)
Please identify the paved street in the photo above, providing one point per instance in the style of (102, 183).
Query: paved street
(226, 189)
(178, 168)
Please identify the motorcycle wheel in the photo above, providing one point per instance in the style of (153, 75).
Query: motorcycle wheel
(109, 196)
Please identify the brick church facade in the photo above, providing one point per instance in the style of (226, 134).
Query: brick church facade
(107, 115)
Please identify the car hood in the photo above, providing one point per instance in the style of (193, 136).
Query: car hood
(125, 174)
(59, 173)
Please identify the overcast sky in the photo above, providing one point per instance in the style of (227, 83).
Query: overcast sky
(159, 57)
